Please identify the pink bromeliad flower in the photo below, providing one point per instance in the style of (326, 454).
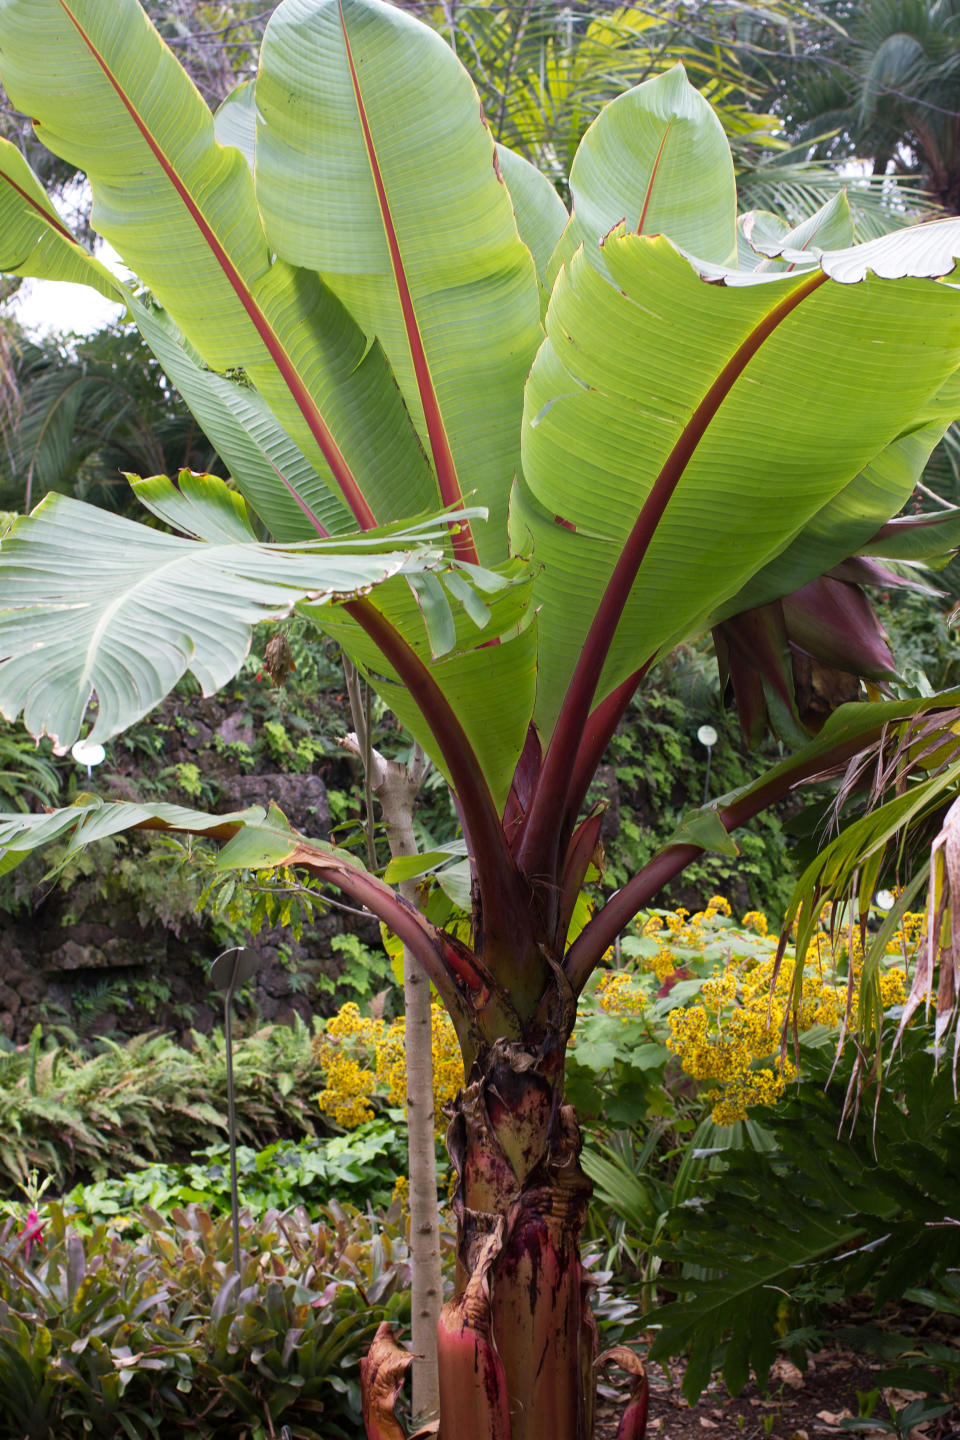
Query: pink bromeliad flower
(31, 1234)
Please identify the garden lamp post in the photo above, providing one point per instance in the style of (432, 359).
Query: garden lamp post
(708, 738)
(88, 754)
(229, 970)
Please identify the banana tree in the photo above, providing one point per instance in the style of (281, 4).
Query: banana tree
(387, 325)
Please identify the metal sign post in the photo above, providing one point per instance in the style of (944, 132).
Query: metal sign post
(228, 971)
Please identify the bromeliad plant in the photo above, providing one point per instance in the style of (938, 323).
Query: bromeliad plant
(669, 422)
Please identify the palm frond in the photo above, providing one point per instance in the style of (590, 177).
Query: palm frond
(799, 188)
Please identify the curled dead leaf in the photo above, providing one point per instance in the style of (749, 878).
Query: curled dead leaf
(633, 1423)
(787, 1373)
(278, 658)
(382, 1372)
(834, 1418)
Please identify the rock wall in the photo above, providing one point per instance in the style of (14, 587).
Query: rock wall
(101, 958)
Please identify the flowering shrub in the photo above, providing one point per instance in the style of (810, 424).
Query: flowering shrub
(363, 1057)
(706, 989)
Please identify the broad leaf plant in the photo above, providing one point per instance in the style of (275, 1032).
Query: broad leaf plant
(509, 457)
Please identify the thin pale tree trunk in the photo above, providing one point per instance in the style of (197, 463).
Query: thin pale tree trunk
(395, 786)
(396, 796)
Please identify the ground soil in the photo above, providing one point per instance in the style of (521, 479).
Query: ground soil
(808, 1405)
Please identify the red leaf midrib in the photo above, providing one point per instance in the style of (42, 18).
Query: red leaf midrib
(274, 346)
(447, 479)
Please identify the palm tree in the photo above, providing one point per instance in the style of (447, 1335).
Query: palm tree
(77, 418)
(878, 80)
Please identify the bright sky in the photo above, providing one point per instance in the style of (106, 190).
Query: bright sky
(51, 307)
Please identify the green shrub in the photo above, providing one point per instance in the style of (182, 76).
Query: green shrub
(157, 1338)
(769, 1236)
(64, 1113)
(362, 1166)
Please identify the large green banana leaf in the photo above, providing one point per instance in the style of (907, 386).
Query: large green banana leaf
(489, 679)
(255, 838)
(185, 184)
(181, 211)
(848, 522)
(387, 243)
(155, 605)
(400, 207)
(675, 185)
(494, 696)
(760, 404)
(657, 160)
(539, 212)
(851, 519)
(270, 469)
(33, 239)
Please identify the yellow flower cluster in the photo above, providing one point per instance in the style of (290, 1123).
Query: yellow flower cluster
(341, 1051)
(618, 994)
(349, 1024)
(680, 928)
(663, 963)
(732, 1035)
(738, 1050)
(447, 1065)
(913, 929)
(346, 1096)
(363, 1057)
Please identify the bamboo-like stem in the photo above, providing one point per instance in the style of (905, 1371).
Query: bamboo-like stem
(396, 786)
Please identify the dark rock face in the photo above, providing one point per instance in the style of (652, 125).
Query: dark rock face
(104, 953)
(198, 737)
(237, 728)
(101, 982)
(302, 798)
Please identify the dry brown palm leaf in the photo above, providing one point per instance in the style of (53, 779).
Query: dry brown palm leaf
(943, 938)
